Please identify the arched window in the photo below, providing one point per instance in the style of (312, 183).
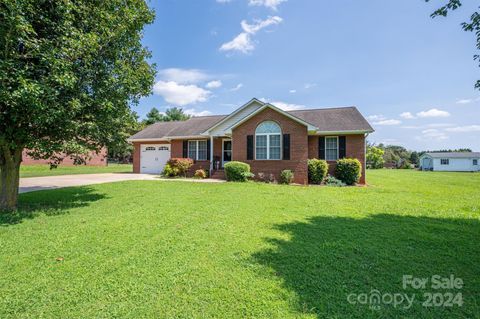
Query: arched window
(268, 141)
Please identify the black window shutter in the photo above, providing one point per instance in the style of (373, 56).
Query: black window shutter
(208, 150)
(249, 147)
(342, 146)
(321, 147)
(185, 149)
(286, 146)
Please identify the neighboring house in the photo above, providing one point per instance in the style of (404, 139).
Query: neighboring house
(257, 133)
(95, 159)
(451, 161)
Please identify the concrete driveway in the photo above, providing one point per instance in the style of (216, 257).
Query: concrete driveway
(31, 184)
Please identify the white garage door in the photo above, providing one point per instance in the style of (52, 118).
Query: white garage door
(153, 158)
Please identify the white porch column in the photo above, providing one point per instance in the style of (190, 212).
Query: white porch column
(211, 155)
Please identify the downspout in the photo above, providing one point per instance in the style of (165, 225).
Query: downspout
(365, 156)
(211, 155)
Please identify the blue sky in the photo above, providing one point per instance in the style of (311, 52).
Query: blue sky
(410, 75)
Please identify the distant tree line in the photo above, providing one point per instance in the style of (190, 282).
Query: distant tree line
(395, 156)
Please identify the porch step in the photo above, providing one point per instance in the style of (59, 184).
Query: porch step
(218, 174)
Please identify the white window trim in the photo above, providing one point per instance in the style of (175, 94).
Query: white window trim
(325, 150)
(196, 150)
(475, 162)
(268, 147)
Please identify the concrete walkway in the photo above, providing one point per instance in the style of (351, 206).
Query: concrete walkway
(31, 184)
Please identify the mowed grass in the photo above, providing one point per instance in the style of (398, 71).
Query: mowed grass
(152, 249)
(44, 170)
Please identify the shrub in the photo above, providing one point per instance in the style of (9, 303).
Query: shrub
(332, 181)
(248, 175)
(237, 171)
(180, 165)
(317, 170)
(286, 177)
(348, 170)
(200, 173)
(169, 171)
(266, 178)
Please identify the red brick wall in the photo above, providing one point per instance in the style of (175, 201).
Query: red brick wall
(355, 148)
(99, 159)
(298, 146)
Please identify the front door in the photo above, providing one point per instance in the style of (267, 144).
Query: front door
(226, 151)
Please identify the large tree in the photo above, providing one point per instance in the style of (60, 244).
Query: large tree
(473, 25)
(69, 72)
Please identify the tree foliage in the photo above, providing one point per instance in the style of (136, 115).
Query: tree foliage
(473, 25)
(69, 72)
(375, 157)
(171, 114)
(153, 116)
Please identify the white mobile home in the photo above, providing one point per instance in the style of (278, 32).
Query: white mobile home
(452, 161)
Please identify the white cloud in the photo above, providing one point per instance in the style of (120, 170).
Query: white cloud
(464, 101)
(463, 129)
(179, 94)
(387, 122)
(223, 1)
(293, 91)
(467, 101)
(433, 134)
(376, 117)
(407, 115)
(183, 76)
(309, 85)
(260, 24)
(272, 4)
(288, 106)
(433, 113)
(243, 42)
(194, 112)
(237, 87)
(214, 84)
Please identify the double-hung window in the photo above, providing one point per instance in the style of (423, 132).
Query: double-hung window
(475, 162)
(444, 161)
(331, 148)
(268, 142)
(197, 150)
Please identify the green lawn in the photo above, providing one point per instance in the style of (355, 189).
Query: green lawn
(152, 249)
(44, 170)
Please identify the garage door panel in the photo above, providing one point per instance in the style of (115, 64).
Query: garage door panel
(154, 157)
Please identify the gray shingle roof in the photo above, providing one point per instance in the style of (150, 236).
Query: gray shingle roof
(327, 120)
(335, 119)
(191, 127)
(453, 154)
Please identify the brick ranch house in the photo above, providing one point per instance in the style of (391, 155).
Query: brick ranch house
(257, 133)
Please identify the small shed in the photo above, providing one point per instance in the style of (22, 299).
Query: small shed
(450, 161)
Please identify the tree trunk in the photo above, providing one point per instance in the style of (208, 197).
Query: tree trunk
(9, 178)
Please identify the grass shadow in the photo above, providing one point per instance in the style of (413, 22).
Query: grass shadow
(327, 259)
(50, 203)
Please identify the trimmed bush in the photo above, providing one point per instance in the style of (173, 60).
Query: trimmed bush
(169, 171)
(180, 165)
(200, 173)
(286, 177)
(317, 170)
(237, 171)
(266, 178)
(348, 170)
(332, 181)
